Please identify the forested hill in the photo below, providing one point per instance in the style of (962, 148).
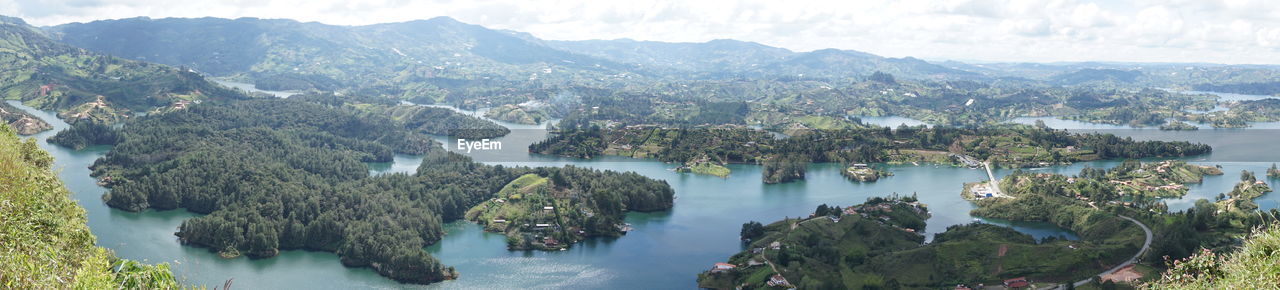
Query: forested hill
(81, 84)
(286, 174)
(406, 59)
(47, 244)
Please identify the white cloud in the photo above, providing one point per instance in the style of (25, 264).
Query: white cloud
(1234, 31)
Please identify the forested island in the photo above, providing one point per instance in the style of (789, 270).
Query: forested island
(289, 174)
(1062, 200)
(785, 159)
(1178, 126)
(268, 175)
(863, 173)
(517, 114)
(1131, 178)
(877, 245)
(567, 206)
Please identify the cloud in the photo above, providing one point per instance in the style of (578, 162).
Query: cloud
(1234, 31)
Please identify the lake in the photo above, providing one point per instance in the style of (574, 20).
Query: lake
(665, 250)
(247, 87)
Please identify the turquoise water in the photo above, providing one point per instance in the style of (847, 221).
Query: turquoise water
(666, 249)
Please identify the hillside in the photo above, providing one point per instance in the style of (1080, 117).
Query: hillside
(80, 84)
(878, 245)
(441, 56)
(21, 121)
(432, 57)
(1254, 265)
(47, 244)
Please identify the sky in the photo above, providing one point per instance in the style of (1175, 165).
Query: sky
(1215, 31)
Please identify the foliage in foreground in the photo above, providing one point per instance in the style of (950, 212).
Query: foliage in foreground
(1256, 265)
(46, 241)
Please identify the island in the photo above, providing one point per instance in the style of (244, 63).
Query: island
(705, 167)
(552, 213)
(879, 245)
(1240, 198)
(1273, 172)
(863, 173)
(1178, 126)
(517, 114)
(272, 175)
(785, 159)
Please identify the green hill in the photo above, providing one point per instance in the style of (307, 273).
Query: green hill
(47, 244)
(1255, 265)
(81, 84)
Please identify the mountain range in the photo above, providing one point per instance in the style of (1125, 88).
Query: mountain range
(82, 84)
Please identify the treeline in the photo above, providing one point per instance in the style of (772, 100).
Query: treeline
(1257, 88)
(744, 145)
(876, 245)
(47, 244)
(422, 119)
(295, 81)
(85, 134)
(784, 168)
(285, 174)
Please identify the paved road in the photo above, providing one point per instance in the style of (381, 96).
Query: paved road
(1146, 245)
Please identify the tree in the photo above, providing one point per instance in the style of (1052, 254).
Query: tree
(751, 230)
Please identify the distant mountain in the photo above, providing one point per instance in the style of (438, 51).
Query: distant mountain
(427, 56)
(732, 58)
(388, 59)
(716, 58)
(834, 62)
(81, 84)
(1096, 75)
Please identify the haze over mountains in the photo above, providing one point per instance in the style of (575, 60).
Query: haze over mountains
(315, 53)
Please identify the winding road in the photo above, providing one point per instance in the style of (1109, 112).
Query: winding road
(1146, 245)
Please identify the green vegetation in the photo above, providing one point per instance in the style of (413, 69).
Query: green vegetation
(784, 168)
(85, 134)
(784, 159)
(875, 245)
(821, 250)
(551, 213)
(1158, 179)
(1254, 265)
(1273, 172)
(47, 244)
(22, 122)
(707, 168)
(421, 119)
(863, 173)
(1239, 114)
(82, 85)
(516, 114)
(1249, 88)
(1178, 126)
(1088, 203)
(1241, 196)
(283, 174)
